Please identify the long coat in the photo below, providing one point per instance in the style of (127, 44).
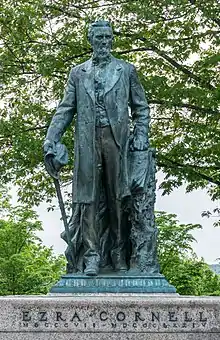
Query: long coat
(122, 90)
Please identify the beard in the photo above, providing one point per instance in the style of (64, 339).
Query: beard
(103, 51)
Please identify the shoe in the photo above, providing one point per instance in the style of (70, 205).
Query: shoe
(92, 268)
(120, 266)
(119, 261)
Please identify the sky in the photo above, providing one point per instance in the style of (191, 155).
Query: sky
(188, 208)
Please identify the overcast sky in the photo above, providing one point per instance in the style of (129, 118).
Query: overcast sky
(187, 207)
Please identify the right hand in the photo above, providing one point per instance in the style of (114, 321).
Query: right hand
(49, 147)
(49, 154)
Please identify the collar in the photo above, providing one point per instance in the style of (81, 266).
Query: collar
(97, 62)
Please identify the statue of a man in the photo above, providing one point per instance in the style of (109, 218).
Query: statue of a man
(101, 93)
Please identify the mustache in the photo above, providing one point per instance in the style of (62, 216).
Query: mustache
(105, 47)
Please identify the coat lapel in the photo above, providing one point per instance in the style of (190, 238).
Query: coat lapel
(88, 81)
(114, 71)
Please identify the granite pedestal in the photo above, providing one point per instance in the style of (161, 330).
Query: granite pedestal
(109, 316)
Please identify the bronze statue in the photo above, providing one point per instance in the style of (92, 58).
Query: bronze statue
(113, 167)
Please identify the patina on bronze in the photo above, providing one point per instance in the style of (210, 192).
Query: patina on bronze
(112, 228)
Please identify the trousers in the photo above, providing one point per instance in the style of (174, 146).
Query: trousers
(107, 165)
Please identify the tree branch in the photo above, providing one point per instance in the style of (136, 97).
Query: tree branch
(78, 55)
(188, 106)
(204, 34)
(182, 68)
(189, 168)
(103, 5)
(194, 2)
(170, 60)
(139, 49)
(34, 128)
(56, 8)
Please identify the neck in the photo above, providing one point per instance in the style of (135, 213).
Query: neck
(99, 59)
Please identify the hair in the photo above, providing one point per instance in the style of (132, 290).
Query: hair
(100, 23)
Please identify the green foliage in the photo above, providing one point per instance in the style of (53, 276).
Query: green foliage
(26, 266)
(175, 47)
(215, 214)
(173, 43)
(189, 274)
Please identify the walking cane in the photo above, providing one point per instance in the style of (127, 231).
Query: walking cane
(55, 175)
(63, 214)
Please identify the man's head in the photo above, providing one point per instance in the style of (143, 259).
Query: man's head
(100, 36)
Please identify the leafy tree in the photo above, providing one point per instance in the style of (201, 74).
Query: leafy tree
(189, 274)
(215, 214)
(173, 43)
(26, 266)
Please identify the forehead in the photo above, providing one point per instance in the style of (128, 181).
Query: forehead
(102, 30)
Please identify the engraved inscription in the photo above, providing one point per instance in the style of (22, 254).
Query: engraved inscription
(140, 319)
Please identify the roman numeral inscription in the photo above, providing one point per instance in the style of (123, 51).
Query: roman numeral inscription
(103, 319)
(112, 313)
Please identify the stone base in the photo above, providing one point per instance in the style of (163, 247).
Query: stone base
(110, 317)
(121, 283)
